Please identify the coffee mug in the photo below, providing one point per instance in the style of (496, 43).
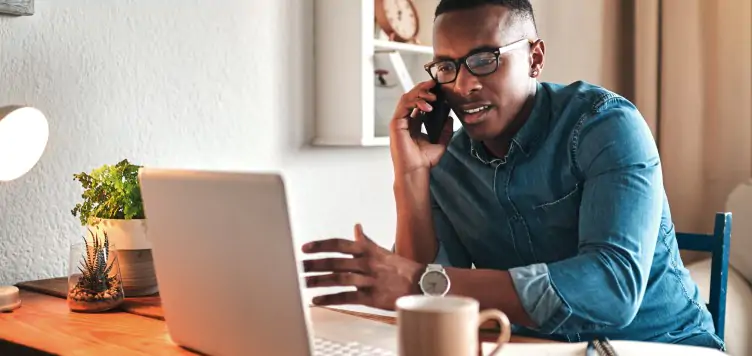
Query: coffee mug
(444, 326)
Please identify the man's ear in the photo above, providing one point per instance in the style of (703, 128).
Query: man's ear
(537, 58)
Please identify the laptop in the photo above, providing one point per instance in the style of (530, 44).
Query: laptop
(229, 275)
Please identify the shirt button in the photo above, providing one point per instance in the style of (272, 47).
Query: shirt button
(517, 217)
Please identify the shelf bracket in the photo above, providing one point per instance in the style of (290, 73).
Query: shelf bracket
(403, 76)
(400, 69)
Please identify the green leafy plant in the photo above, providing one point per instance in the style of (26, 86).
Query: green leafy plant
(110, 192)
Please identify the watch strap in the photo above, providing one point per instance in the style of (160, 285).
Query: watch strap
(434, 267)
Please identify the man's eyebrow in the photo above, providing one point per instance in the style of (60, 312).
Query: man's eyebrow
(485, 47)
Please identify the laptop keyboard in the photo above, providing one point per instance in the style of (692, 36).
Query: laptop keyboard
(326, 347)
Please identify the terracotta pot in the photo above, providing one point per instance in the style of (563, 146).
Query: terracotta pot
(134, 254)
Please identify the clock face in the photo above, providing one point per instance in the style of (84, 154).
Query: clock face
(401, 17)
(434, 283)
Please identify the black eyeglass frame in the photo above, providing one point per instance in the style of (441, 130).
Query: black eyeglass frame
(463, 60)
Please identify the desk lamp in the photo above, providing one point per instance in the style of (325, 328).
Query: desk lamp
(23, 138)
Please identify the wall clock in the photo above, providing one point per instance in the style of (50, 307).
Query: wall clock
(398, 19)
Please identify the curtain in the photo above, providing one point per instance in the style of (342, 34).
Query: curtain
(693, 84)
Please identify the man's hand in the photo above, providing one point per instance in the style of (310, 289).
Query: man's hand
(410, 149)
(380, 276)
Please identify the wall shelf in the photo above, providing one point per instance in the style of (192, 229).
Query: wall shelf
(352, 107)
(380, 44)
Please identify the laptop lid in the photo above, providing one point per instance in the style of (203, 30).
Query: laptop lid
(225, 261)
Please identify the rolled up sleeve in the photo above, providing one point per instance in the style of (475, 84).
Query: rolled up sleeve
(619, 219)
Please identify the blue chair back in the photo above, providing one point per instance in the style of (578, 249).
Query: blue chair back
(718, 244)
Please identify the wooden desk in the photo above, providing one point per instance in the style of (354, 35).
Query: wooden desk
(44, 322)
(45, 325)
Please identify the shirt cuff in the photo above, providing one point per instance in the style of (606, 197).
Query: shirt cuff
(539, 297)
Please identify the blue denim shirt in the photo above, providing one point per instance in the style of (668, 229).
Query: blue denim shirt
(577, 212)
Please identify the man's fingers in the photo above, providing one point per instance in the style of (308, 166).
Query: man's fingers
(413, 123)
(418, 96)
(370, 245)
(422, 91)
(359, 234)
(334, 265)
(447, 131)
(410, 106)
(334, 245)
(339, 280)
(424, 86)
(426, 95)
(422, 105)
(356, 297)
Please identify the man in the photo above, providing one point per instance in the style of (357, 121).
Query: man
(553, 193)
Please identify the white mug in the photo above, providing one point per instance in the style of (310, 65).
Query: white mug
(444, 326)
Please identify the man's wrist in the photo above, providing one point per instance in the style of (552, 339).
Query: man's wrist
(415, 283)
(410, 190)
(411, 180)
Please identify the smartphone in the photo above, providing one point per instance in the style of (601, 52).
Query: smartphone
(435, 119)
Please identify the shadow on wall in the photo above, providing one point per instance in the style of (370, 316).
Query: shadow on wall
(297, 87)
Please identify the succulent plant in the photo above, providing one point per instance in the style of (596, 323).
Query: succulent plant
(97, 288)
(95, 273)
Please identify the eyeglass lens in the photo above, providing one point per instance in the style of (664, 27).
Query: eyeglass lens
(482, 63)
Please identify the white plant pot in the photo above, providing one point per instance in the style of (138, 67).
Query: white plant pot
(130, 239)
(124, 234)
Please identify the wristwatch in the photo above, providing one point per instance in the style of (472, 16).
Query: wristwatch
(434, 281)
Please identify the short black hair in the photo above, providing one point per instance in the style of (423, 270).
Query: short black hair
(520, 9)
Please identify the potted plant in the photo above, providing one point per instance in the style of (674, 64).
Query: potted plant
(94, 283)
(112, 204)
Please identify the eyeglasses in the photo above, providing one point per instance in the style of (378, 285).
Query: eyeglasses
(479, 63)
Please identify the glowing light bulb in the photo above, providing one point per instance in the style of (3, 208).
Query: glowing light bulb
(23, 138)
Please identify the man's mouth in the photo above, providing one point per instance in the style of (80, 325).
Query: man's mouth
(478, 109)
(474, 114)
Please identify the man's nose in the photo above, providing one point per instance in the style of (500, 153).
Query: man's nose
(466, 82)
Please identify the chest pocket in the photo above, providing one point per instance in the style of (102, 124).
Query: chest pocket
(562, 214)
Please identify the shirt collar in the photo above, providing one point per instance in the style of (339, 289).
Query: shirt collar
(532, 132)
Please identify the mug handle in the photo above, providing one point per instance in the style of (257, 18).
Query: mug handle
(506, 328)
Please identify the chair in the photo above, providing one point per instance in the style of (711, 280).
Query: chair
(718, 244)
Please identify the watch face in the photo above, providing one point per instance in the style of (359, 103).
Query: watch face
(434, 283)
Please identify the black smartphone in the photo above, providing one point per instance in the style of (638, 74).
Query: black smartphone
(435, 119)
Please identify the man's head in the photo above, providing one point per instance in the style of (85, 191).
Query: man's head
(480, 27)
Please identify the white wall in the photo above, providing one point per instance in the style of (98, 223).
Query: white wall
(189, 83)
(178, 83)
(587, 40)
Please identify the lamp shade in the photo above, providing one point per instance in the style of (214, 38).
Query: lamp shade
(23, 138)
